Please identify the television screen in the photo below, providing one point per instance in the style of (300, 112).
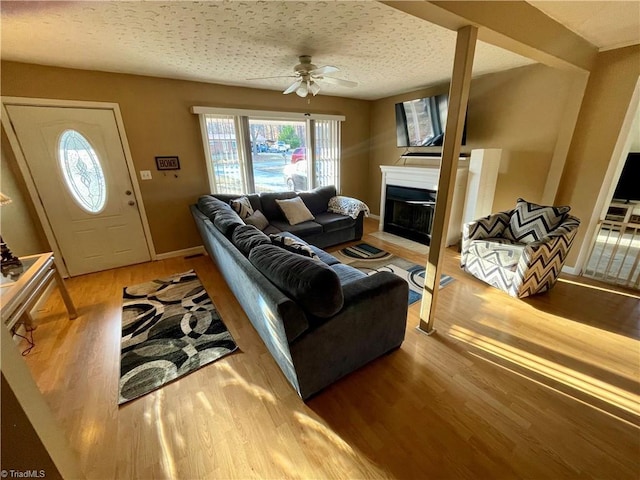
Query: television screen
(628, 187)
(421, 122)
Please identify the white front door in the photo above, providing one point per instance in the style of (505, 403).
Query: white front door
(77, 162)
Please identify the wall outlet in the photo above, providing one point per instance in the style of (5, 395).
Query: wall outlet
(145, 174)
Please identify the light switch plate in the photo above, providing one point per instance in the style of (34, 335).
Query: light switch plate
(145, 174)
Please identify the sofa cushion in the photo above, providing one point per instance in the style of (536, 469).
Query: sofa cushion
(347, 273)
(246, 237)
(312, 284)
(317, 199)
(293, 245)
(270, 207)
(295, 211)
(258, 220)
(227, 221)
(324, 256)
(501, 252)
(271, 229)
(531, 222)
(334, 221)
(242, 206)
(304, 229)
(210, 205)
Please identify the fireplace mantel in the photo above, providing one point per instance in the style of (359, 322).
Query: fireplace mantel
(426, 177)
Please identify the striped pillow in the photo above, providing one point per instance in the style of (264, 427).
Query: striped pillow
(531, 222)
(242, 206)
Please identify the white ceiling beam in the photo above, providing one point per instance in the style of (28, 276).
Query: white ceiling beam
(513, 25)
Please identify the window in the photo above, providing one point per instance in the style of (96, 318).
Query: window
(82, 171)
(255, 151)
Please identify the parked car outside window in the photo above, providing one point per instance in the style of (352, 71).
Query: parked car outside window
(296, 176)
(282, 147)
(298, 154)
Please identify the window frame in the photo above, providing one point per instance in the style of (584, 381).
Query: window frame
(241, 122)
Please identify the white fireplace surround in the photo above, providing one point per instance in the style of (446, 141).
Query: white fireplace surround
(477, 176)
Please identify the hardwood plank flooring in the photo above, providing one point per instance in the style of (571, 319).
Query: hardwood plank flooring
(546, 387)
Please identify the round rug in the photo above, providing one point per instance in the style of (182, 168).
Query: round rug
(364, 251)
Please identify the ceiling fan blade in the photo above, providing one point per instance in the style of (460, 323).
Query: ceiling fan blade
(339, 81)
(324, 70)
(268, 78)
(293, 87)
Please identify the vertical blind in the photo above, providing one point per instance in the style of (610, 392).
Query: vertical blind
(327, 153)
(222, 145)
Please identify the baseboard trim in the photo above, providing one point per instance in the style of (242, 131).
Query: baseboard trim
(181, 253)
(570, 270)
(375, 217)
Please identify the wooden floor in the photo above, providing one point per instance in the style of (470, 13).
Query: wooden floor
(545, 388)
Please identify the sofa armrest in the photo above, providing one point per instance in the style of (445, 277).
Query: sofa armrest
(490, 226)
(371, 323)
(349, 206)
(541, 261)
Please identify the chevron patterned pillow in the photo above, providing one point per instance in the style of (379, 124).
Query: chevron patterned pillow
(242, 206)
(531, 222)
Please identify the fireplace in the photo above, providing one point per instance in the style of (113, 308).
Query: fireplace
(408, 212)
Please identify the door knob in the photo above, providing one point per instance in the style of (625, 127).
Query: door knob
(128, 192)
(132, 203)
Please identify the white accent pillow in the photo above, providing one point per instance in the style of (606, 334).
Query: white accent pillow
(295, 210)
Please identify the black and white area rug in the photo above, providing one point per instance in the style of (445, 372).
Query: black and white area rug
(381, 261)
(170, 328)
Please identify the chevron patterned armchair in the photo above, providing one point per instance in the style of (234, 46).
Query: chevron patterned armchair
(520, 251)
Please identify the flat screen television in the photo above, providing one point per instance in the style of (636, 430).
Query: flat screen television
(421, 122)
(628, 187)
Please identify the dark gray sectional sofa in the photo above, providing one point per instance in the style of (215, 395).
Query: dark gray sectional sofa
(325, 230)
(320, 319)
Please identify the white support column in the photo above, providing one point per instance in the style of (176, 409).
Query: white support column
(458, 99)
(481, 183)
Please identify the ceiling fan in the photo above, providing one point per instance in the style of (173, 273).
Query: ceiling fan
(309, 78)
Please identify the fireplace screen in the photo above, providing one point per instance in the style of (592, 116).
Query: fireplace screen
(409, 212)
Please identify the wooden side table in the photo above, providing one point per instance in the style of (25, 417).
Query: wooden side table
(19, 293)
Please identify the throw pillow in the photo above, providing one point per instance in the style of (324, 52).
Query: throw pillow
(242, 206)
(295, 210)
(531, 222)
(293, 246)
(257, 219)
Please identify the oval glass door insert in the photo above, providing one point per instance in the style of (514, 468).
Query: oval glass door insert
(82, 171)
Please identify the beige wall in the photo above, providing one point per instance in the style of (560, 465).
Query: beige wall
(518, 110)
(605, 105)
(156, 116)
(22, 234)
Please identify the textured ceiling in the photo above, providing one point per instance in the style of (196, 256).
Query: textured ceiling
(607, 25)
(386, 51)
